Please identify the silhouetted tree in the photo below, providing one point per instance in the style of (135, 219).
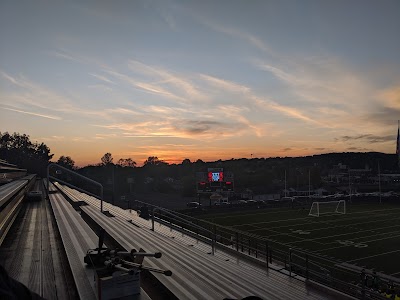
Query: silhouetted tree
(66, 162)
(18, 149)
(126, 162)
(107, 159)
(186, 161)
(154, 161)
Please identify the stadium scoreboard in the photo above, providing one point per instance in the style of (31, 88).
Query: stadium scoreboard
(214, 180)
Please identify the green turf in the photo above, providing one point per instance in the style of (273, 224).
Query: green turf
(368, 235)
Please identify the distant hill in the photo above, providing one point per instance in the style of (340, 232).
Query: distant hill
(262, 175)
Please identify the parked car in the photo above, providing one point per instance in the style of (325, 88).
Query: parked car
(223, 201)
(193, 204)
(251, 202)
(291, 199)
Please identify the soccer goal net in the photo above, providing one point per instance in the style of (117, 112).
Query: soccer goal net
(329, 207)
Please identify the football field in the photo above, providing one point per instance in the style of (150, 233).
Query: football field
(368, 235)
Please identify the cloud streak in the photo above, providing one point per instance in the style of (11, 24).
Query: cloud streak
(33, 114)
(102, 78)
(370, 138)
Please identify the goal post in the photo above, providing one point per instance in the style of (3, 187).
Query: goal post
(327, 207)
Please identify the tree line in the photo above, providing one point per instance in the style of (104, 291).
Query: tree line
(262, 175)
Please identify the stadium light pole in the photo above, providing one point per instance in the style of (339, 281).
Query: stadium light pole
(309, 183)
(349, 185)
(379, 174)
(285, 184)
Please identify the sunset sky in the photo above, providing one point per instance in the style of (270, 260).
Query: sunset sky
(201, 79)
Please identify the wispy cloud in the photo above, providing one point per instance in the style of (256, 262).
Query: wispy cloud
(391, 97)
(103, 136)
(314, 82)
(236, 33)
(370, 138)
(27, 94)
(35, 95)
(266, 104)
(77, 58)
(225, 84)
(102, 78)
(32, 113)
(181, 84)
(9, 78)
(52, 138)
(100, 87)
(147, 87)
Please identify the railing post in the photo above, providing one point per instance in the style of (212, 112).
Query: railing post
(363, 284)
(214, 237)
(306, 266)
(266, 253)
(249, 245)
(290, 262)
(237, 241)
(256, 246)
(270, 256)
(152, 219)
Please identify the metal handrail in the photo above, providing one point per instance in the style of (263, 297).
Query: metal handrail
(311, 262)
(71, 185)
(167, 211)
(213, 238)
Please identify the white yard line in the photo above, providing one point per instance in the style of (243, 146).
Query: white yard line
(298, 226)
(276, 221)
(366, 242)
(348, 233)
(316, 221)
(373, 256)
(294, 236)
(352, 224)
(252, 214)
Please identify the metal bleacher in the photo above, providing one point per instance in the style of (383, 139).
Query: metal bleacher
(77, 238)
(11, 196)
(196, 274)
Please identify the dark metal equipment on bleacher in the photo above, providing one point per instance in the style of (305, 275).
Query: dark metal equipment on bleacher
(114, 259)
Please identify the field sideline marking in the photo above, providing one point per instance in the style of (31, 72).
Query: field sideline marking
(326, 221)
(355, 232)
(253, 214)
(290, 210)
(366, 242)
(349, 261)
(317, 222)
(294, 236)
(322, 222)
(353, 226)
(272, 221)
(285, 211)
(371, 211)
(362, 237)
